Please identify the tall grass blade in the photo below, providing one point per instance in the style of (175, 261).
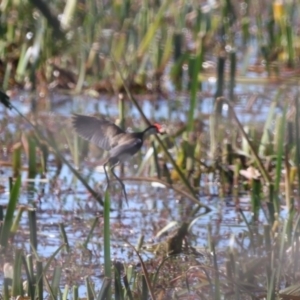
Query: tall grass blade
(220, 83)
(176, 72)
(16, 159)
(119, 45)
(281, 253)
(195, 63)
(167, 50)
(65, 293)
(260, 164)
(28, 264)
(122, 114)
(177, 45)
(140, 242)
(118, 285)
(68, 14)
(271, 287)
(179, 58)
(106, 216)
(127, 288)
(156, 160)
(89, 290)
(152, 29)
(145, 161)
(23, 62)
(64, 237)
(39, 279)
(39, 275)
(8, 220)
(251, 233)
(75, 292)
(255, 198)
(232, 74)
(105, 289)
(290, 46)
(95, 222)
(1, 217)
(265, 139)
(145, 292)
(146, 275)
(31, 157)
(217, 292)
(297, 131)
(49, 288)
(30, 284)
(17, 288)
(212, 135)
(56, 281)
(33, 228)
(270, 204)
(44, 156)
(15, 225)
(280, 153)
(7, 75)
(6, 284)
(82, 67)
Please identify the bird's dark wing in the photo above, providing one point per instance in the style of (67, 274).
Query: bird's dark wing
(4, 99)
(98, 131)
(126, 149)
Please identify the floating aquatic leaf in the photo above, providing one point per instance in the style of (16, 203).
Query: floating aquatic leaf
(251, 173)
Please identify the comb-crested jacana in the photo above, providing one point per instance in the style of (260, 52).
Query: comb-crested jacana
(108, 136)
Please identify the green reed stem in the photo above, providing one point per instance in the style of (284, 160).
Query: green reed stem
(106, 216)
(290, 46)
(56, 281)
(64, 237)
(28, 262)
(118, 285)
(8, 220)
(39, 276)
(105, 289)
(195, 64)
(220, 83)
(75, 292)
(279, 153)
(232, 74)
(95, 222)
(33, 228)
(255, 198)
(17, 288)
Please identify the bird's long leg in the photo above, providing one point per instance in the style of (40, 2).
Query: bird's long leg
(120, 181)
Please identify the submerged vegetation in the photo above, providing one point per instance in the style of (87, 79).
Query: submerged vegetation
(225, 76)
